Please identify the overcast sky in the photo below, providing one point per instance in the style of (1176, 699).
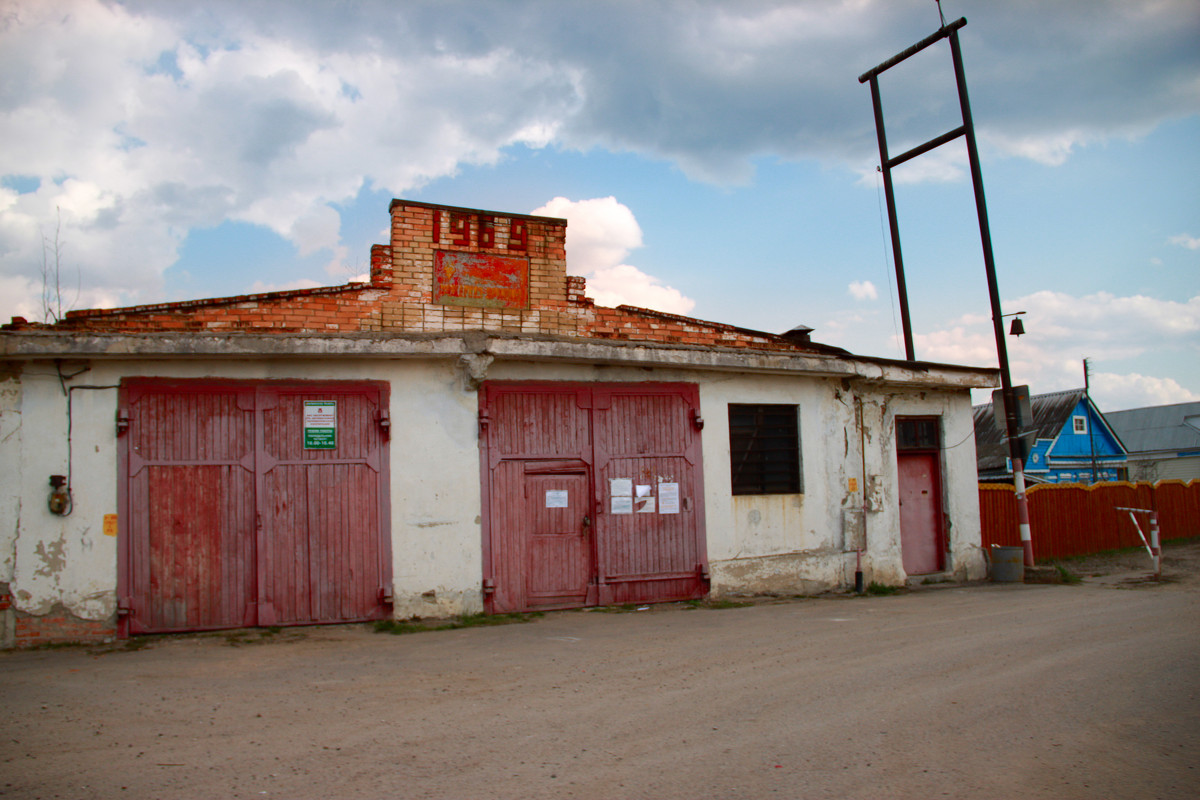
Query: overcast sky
(715, 159)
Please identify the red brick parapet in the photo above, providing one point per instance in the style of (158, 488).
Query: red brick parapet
(403, 293)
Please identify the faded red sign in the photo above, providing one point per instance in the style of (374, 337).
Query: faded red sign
(480, 279)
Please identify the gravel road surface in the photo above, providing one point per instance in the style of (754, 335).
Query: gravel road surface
(986, 691)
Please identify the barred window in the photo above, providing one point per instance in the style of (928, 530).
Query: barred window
(918, 433)
(764, 449)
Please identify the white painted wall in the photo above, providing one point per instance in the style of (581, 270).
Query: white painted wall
(788, 544)
(63, 560)
(10, 469)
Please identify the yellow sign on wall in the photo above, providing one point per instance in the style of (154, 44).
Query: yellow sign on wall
(110, 524)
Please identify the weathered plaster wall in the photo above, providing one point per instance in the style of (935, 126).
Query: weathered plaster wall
(10, 465)
(787, 544)
(960, 492)
(65, 564)
(436, 528)
(10, 492)
(806, 543)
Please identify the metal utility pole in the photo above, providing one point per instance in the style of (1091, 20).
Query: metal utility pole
(1087, 396)
(966, 130)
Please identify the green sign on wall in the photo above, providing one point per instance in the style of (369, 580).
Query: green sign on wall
(320, 424)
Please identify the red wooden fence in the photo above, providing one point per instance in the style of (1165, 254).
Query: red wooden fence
(1076, 519)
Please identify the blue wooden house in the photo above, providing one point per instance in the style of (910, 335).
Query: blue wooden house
(1072, 442)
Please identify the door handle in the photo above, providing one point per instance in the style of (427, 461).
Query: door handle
(587, 522)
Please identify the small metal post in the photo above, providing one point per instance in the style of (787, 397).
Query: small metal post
(1155, 549)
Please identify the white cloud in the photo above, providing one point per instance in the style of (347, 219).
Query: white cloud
(626, 285)
(1062, 330)
(1183, 240)
(1050, 149)
(141, 126)
(1134, 390)
(258, 287)
(601, 232)
(863, 290)
(145, 120)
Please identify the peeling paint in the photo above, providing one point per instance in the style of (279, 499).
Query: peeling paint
(439, 602)
(53, 556)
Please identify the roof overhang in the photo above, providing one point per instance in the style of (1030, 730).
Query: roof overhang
(43, 345)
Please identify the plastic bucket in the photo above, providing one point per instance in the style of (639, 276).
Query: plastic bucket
(1008, 564)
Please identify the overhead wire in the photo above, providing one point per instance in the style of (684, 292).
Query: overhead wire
(886, 269)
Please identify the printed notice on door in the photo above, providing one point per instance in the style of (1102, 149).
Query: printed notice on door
(668, 498)
(556, 498)
(622, 505)
(320, 424)
(620, 496)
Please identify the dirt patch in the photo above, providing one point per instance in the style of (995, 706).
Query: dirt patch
(1133, 568)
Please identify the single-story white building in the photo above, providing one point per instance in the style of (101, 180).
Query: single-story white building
(465, 432)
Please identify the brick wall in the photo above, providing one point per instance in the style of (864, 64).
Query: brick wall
(400, 295)
(18, 629)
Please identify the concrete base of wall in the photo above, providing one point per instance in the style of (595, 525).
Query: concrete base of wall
(436, 604)
(785, 574)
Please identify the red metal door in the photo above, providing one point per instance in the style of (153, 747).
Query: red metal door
(230, 521)
(920, 513)
(189, 474)
(646, 436)
(557, 524)
(321, 553)
(650, 548)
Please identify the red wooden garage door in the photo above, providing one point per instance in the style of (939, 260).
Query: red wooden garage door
(593, 494)
(252, 504)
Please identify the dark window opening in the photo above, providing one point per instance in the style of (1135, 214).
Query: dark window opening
(764, 449)
(918, 433)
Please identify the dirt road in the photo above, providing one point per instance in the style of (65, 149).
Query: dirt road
(1033, 691)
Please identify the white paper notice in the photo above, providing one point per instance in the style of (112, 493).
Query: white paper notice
(620, 487)
(643, 490)
(622, 505)
(668, 498)
(645, 505)
(556, 498)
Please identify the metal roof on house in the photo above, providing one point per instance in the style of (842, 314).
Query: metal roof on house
(1050, 413)
(1158, 428)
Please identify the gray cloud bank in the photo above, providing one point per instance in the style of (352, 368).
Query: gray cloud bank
(136, 122)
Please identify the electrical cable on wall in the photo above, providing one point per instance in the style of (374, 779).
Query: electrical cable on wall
(61, 501)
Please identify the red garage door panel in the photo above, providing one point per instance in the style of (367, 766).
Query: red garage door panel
(230, 521)
(553, 535)
(647, 437)
(323, 504)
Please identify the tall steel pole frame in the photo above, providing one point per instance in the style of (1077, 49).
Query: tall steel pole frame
(966, 130)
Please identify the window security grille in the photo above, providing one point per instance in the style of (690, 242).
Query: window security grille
(764, 449)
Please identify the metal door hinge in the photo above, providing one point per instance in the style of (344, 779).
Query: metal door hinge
(484, 420)
(385, 425)
(122, 421)
(124, 607)
(489, 586)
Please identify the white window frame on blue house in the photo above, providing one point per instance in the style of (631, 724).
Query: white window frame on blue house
(1079, 424)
